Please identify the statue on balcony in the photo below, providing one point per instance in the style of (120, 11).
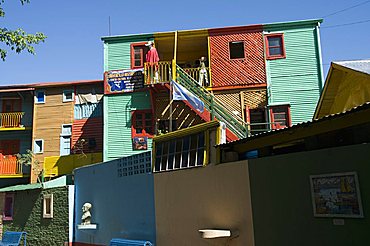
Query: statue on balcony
(86, 214)
(152, 58)
(203, 74)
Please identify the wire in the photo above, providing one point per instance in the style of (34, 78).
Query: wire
(347, 24)
(340, 11)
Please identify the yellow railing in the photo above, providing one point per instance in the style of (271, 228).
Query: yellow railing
(9, 165)
(11, 119)
(157, 73)
(194, 73)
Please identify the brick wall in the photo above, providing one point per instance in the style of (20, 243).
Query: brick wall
(27, 216)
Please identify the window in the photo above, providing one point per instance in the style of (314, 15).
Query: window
(68, 96)
(236, 50)
(65, 140)
(38, 147)
(274, 46)
(142, 123)
(47, 211)
(40, 97)
(8, 206)
(280, 116)
(256, 119)
(138, 52)
(180, 153)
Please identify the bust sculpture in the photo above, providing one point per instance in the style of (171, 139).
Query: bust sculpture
(86, 215)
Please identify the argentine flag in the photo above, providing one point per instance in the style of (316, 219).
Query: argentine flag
(180, 93)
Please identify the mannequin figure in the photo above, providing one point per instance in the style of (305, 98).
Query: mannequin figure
(203, 74)
(152, 59)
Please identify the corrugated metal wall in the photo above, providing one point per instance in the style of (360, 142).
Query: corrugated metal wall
(117, 123)
(117, 54)
(87, 129)
(237, 72)
(296, 79)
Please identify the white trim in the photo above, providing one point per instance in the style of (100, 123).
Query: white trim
(72, 96)
(42, 146)
(51, 208)
(36, 98)
(66, 134)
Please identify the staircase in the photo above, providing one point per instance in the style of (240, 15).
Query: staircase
(214, 106)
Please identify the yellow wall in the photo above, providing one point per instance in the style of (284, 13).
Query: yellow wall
(60, 165)
(215, 196)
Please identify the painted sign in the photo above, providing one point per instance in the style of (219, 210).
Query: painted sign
(121, 81)
(336, 195)
(140, 143)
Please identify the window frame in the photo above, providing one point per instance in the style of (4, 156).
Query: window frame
(134, 114)
(132, 53)
(64, 95)
(234, 42)
(46, 215)
(36, 97)
(273, 57)
(9, 195)
(288, 116)
(42, 146)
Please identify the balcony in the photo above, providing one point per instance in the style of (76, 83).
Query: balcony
(9, 165)
(11, 121)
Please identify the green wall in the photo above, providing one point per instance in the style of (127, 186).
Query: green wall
(117, 54)
(117, 123)
(281, 198)
(27, 217)
(297, 78)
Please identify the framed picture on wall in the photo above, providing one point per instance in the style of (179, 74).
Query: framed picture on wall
(336, 195)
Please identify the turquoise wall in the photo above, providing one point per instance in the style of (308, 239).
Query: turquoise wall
(282, 204)
(117, 51)
(297, 78)
(117, 123)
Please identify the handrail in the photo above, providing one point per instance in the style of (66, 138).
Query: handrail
(217, 109)
(157, 72)
(11, 119)
(194, 72)
(9, 165)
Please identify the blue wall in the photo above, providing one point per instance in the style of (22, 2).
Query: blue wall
(122, 196)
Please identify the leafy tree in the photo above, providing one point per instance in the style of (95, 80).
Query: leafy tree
(18, 40)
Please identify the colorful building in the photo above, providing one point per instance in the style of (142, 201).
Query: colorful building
(246, 84)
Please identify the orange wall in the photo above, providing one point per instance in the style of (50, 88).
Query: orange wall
(205, 197)
(249, 71)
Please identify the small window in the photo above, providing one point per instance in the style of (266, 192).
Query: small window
(47, 206)
(40, 97)
(236, 50)
(138, 52)
(8, 206)
(38, 146)
(256, 119)
(68, 96)
(280, 116)
(274, 46)
(66, 130)
(142, 123)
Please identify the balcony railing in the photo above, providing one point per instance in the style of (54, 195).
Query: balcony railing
(9, 165)
(157, 73)
(10, 120)
(194, 73)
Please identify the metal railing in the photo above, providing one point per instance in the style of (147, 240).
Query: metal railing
(217, 109)
(158, 72)
(9, 120)
(9, 165)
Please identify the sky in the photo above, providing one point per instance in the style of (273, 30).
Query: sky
(74, 50)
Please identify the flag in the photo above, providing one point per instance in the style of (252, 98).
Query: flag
(181, 93)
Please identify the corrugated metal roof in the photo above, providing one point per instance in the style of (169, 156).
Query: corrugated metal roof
(300, 125)
(58, 182)
(46, 84)
(359, 65)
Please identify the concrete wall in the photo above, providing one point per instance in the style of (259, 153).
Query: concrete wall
(122, 201)
(215, 197)
(281, 198)
(28, 207)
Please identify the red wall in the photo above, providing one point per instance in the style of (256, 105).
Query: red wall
(249, 71)
(85, 129)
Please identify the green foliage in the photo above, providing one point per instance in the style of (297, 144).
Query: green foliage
(26, 158)
(18, 40)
